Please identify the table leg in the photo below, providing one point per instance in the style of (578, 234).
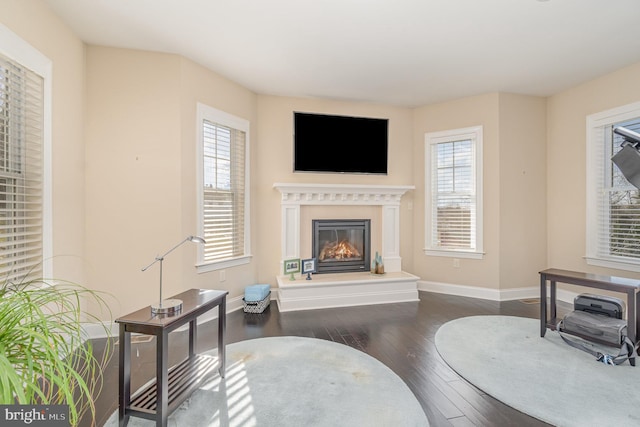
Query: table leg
(632, 332)
(637, 302)
(162, 378)
(124, 374)
(193, 337)
(553, 300)
(543, 304)
(222, 326)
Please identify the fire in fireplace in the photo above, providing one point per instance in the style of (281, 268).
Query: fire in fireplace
(341, 245)
(338, 250)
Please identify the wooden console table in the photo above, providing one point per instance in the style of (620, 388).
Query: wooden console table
(172, 385)
(610, 283)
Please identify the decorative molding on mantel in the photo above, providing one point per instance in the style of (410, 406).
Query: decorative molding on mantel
(294, 196)
(342, 194)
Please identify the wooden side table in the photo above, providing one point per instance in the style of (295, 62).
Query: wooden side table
(172, 385)
(629, 287)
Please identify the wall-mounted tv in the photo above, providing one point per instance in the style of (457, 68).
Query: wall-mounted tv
(340, 144)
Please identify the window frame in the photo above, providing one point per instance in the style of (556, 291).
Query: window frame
(214, 115)
(474, 134)
(597, 165)
(20, 51)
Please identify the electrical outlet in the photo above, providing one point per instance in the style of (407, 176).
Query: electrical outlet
(456, 262)
(223, 275)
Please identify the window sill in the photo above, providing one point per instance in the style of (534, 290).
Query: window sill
(454, 254)
(220, 265)
(615, 264)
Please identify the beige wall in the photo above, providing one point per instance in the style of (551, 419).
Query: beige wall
(201, 85)
(472, 111)
(141, 171)
(523, 223)
(274, 157)
(566, 163)
(36, 24)
(133, 152)
(513, 190)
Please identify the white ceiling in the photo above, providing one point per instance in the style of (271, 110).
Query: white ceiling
(401, 52)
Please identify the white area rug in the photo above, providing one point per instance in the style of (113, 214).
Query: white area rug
(293, 381)
(543, 377)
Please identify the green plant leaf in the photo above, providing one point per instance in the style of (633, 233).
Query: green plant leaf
(45, 357)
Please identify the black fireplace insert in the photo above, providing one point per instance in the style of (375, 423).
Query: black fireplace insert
(341, 245)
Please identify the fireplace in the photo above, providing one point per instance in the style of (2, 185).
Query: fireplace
(341, 245)
(349, 289)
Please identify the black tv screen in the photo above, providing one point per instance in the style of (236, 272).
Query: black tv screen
(340, 144)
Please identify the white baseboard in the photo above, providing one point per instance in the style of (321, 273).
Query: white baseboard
(96, 330)
(490, 293)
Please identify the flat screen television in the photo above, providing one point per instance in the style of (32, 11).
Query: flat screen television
(340, 144)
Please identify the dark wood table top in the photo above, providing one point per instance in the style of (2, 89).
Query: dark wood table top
(621, 284)
(193, 301)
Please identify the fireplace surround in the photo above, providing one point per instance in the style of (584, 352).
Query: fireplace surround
(387, 197)
(351, 288)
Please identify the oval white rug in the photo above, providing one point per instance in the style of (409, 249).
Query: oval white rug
(294, 381)
(543, 377)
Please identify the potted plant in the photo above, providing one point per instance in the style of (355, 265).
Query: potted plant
(45, 356)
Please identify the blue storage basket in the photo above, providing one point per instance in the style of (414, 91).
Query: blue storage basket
(256, 293)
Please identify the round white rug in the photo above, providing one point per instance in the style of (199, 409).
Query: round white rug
(294, 381)
(544, 377)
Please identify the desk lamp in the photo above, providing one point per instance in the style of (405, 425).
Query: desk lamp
(628, 159)
(169, 306)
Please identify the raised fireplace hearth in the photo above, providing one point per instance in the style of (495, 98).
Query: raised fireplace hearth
(345, 290)
(341, 245)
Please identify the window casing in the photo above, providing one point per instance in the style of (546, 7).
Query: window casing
(223, 189)
(453, 179)
(25, 138)
(613, 204)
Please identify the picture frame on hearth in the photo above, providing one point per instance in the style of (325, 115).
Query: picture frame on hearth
(292, 266)
(308, 267)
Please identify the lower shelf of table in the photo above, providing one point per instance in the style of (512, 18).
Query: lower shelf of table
(184, 378)
(552, 325)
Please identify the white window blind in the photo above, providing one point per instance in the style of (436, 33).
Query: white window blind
(224, 206)
(453, 201)
(453, 197)
(21, 172)
(613, 234)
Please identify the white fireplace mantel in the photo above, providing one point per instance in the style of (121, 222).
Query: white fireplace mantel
(342, 194)
(386, 196)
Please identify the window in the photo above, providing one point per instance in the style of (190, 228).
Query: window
(453, 162)
(223, 189)
(613, 204)
(24, 160)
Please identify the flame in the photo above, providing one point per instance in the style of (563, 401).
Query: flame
(338, 251)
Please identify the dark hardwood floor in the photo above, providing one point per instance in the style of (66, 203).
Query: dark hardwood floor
(399, 335)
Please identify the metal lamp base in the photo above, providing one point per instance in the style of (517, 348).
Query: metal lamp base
(167, 306)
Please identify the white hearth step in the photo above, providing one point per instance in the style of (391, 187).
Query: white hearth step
(345, 289)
